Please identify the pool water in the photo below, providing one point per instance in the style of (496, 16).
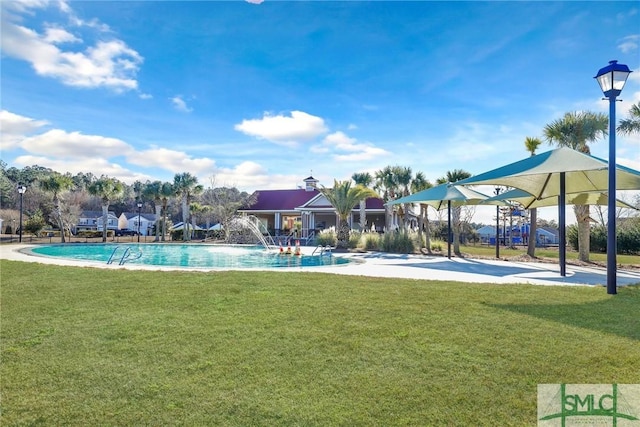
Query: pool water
(195, 256)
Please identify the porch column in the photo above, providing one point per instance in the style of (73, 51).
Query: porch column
(306, 221)
(277, 219)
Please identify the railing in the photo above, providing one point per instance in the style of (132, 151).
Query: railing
(126, 255)
(292, 237)
(324, 250)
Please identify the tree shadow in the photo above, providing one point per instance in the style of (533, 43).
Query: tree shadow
(472, 267)
(617, 314)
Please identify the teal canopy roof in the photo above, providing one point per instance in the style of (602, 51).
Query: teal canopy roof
(540, 175)
(529, 201)
(435, 196)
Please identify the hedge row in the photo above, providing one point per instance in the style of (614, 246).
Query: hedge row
(628, 239)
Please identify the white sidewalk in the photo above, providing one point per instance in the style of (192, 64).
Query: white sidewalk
(473, 270)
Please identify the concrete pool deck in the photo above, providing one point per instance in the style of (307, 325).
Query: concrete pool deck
(419, 267)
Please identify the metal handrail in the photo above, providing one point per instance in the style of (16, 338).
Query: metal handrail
(126, 255)
(323, 250)
(110, 260)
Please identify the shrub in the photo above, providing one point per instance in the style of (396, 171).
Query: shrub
(35, 223)
(598, 239)
(418, 241)
(627, 239)
(371, 241)
(572, 236)
(326, 237)
(90, 234)
(437, 245)
(398, 242)
(354, 239)
(440, 231)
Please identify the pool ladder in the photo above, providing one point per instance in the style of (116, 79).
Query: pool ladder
(126, 255)
(324, 250)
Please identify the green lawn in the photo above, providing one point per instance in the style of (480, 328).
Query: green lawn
(83, 346)
(551, 253)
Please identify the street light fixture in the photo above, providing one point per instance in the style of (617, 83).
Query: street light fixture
(21, 190)
(611, 80)
(497, 192)
(139, 207)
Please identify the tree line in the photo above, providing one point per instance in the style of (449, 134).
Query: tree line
(57, 199)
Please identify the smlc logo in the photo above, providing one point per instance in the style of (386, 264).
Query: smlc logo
(565, 405)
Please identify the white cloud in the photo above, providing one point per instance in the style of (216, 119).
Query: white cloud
(284, 130)
(55, 35)
(629, 44)
(77, 152)
(63, 5)
(15, 127)
(23, 7)
(59, 143)
(255, 1)
(340, 141)
(172, 160)
(180, 104)
(244, 176)
(364, 153)
(107, 63)
(347, 149)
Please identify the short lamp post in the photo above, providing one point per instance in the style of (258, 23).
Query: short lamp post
(497, 192)
(139, 208)
(611, 80)
(21, 190)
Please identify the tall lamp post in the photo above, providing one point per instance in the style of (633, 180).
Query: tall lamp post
(611, 80)
(139, 207)
(21, 190)
(497, 192)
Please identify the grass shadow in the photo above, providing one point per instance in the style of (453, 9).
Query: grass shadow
(616, 314)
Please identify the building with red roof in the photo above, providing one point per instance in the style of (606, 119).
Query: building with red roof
(303, 212)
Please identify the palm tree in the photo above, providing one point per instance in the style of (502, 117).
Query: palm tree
(107, 189)
(420, 183)
(632, 124)
(343, 197)
(387, 187)
(365, 179)
(56, 184)
(532, 144)
(185, 186)
(403, 176)
(166, 192)
(451, 177)
(153, 191)
(576, 131)
(138, 188)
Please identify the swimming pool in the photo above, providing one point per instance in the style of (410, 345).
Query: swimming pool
(188, 256)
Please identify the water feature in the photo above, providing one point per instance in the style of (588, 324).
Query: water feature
(187, 255)
(252, 224)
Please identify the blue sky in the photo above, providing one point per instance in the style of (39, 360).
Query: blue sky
(259, 95)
